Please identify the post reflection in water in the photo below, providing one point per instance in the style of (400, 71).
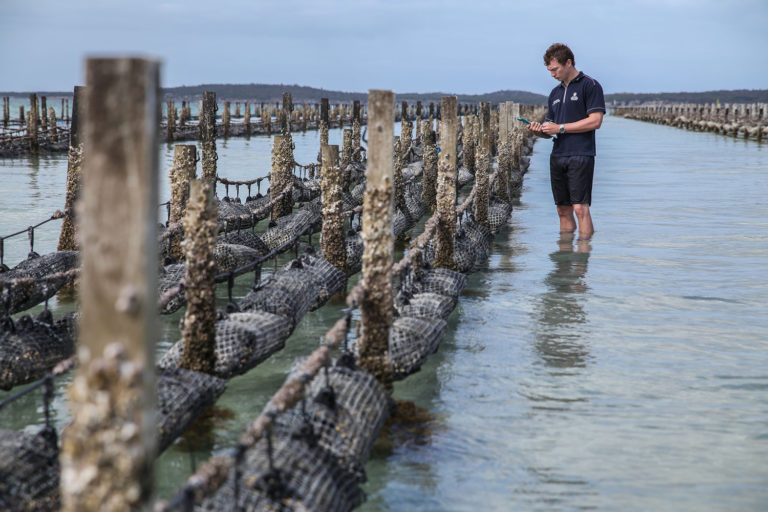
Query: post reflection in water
(560, 312)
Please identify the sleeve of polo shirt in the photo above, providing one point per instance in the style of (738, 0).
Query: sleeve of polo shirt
(594, 97)
(550, 115)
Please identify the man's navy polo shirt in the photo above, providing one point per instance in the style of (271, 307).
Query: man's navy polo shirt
(571, 103)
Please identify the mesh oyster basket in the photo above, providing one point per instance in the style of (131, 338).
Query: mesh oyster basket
(229, 209)
(170, 276)
(230, 256)
(243, 340)
(326, 279)
(29, 471)
(464, 177)
(413, 202)
(28, 350)
(289, 227)
(283, 293)
(411, 340)
(354, 254)
(246, 238)
(18, 297)
(498, 213)
(437, 280)
(258, 205)
(465, 253)
(426, 305)
(401, 222)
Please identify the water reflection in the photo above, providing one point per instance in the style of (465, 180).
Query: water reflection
(560, 312)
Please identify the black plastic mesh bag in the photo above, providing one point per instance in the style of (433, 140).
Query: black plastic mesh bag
(426, 305)
(246, 238)
(16, 297)
(401, 222)
(463, 177)
(29, 471)
(230, 256)
(243, 340)
(326, 279)
(290, 226)
(169, 277)
(411, 340)
(498, 213)
(413, 202)
(354, 254)
(28, 350)
(437, 280)
(229, 209)
(283, 293)
(182, 395)
(357, 193)
(479, 234)
(258, 205)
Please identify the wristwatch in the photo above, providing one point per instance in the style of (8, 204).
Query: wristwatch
(562, 129)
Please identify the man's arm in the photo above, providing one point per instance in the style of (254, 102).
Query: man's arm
(592, 122)
(537, 131)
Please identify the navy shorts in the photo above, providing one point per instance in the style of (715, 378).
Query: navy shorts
(571, 178)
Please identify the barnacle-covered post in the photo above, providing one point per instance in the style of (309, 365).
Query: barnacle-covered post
(170, 120)
(281, 177)
(7, 110)
(32, 123)
(332, 239)
(356, 157)
(346, 157)
(108, 450)
(52, 124)
(406, 134)
(67, 238)
(483, 164)
(323, 122)
(266, 117)
(208, 136)
(504, 148)
(398, 186)
(247, 118)
(429, 179)
(419, 115)
(446, 186)
(225, 119)
(378, 240)
(285, 115)
(199, 325)
(181, 174)
(468, 142)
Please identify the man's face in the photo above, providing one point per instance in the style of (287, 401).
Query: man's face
(559, 71)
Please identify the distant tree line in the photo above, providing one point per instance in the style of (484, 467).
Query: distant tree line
(733, 96)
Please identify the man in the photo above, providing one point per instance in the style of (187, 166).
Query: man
(576, 109)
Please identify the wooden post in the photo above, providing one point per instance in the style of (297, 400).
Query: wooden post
(225, 119)
(332, 239)
(285, 118)
(483, 166)
(43, 113)
(22, 117)
(74, 172)
(181, 174)
(247, 119)
(66, 109)
(429, 179)
(107, 452)
(324, 122)
(356, 155)
(170, 120)
(32, 123)
(346, 149)
(406, 135)
(237, 110)
(378, 240)
(281, 177)
(52, 124)
(446, 186)
(208, 136)
(199, 325)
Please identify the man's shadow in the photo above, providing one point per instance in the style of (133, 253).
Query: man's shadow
(560, 312)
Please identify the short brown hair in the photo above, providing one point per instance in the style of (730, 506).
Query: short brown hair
(560, 52)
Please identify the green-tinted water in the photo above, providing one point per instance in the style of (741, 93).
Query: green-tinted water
(626, 374)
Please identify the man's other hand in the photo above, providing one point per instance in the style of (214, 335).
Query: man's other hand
(550, 128)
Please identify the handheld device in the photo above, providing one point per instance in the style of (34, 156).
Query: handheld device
(523, 120)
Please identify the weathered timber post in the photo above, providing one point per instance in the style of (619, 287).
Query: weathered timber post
(43, 113)
(398, 187)
(266, 118)
(281, 178)
(22, 117)
(446, 186)
(504, 150)
(285, 117)
(107, 452)
(237, 110)
(32, 123)
(225, 119)
(356, 154)
(208, 136)
(199, 325)
(67, 238)
(7, 110)
(183, 115)
(406, 135)
(332, 241)
(483, 166)
(170, 120)
(429, 178)
(181, 174)
(346, 156)
(247, 119)
(323, 122)
(304, 116)
(66, 110)
(52, 124)
(378, 241)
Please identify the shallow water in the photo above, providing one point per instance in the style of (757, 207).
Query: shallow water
(629, 373)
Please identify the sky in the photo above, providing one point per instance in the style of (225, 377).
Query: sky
(450, 46)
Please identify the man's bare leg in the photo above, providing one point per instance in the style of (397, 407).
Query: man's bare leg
(586, 228)
(567, 222)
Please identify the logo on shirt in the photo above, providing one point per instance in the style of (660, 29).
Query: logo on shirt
(556, 102)
(575, 97)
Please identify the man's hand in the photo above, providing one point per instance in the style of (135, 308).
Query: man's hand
(538, 129)
(550, 128)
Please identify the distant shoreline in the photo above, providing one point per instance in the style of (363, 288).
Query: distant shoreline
(272, 93)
